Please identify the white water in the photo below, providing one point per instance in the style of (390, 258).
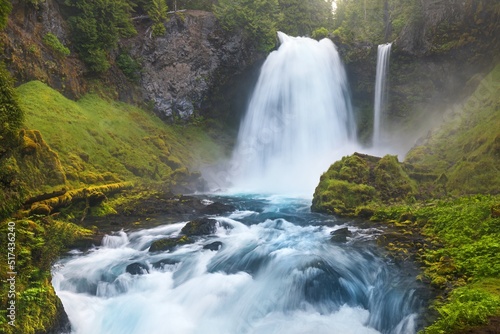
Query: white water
(276, 273)
(298, 122)
(380, 104)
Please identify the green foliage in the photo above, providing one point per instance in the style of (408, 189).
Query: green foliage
(11, 115)
(55, 44)
(359, 180)
(38, 244)
(96, 28)
(376, 21)
(129, 66)
(97, 144)
(391, 180)
(466, 307)
(257, 19)
(301, 18)
(157, 11)
(466, 148)
(320, 33)
(5, 8)
(465, 233)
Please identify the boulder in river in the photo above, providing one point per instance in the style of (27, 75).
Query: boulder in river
(198, 227)
(215, 246)
(168, 244)
(340, 235)
(137, 268)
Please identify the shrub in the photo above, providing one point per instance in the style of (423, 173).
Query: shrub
(55, 44)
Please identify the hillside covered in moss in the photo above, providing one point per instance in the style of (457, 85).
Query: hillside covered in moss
(444, 201)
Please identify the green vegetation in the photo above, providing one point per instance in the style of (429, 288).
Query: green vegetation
(38, 243)
(466, 148)
(360, 180)
(5, 8)
(96, 28)
(376, 21)
(446, 193)
(11, 115)
(157, 11)
(55, 44)
(129, 66)
(90, 142)
(257, 19)
(464, 256)
(96, 143)
(260, 20)
(301, 18)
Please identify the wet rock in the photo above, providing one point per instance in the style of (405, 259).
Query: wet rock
(217, 208)
(137, 268)
(340, 235)
(168, 244)
(198, 227)
(165, 262)
(215, 246)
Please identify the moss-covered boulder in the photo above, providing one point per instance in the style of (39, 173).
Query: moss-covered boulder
(199, 227)
(356, 181)
(169, 244)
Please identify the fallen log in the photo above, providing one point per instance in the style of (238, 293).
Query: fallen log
(81, 194)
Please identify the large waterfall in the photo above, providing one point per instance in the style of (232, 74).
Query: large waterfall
(383, 54)
(298, 122)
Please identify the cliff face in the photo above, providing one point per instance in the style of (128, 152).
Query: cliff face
(183, 68)
(437, 60)
(182, 71)
(29, 58)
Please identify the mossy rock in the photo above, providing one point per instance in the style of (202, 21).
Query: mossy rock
(391, 181)
(169, 244)
(40, 209)
(198, 227)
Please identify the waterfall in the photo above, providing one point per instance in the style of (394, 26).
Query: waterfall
(299, 119)
(383, 54)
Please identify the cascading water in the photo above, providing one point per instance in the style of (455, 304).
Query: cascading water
(298, 122)
(275, 273)
(383, 55)
(273, 270)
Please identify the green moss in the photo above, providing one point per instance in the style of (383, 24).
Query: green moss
(462, 255)
(55, 44)
(38, 244)
(466, 148)
(359, 180)
(99, 141)
(391, 181)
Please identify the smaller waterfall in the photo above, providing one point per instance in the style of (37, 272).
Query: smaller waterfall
(383, 54)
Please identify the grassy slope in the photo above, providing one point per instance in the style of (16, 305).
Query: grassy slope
(100, 141)
(93, 141)
(467, 146)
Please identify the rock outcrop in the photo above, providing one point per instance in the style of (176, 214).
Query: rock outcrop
(183, 72)
(184, 67)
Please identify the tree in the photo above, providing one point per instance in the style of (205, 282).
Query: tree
(257, 18)
(301, 18)
(96, 28)
(5, 8)
(157, 12)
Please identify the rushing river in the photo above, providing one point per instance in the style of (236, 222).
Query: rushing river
(276, 272)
